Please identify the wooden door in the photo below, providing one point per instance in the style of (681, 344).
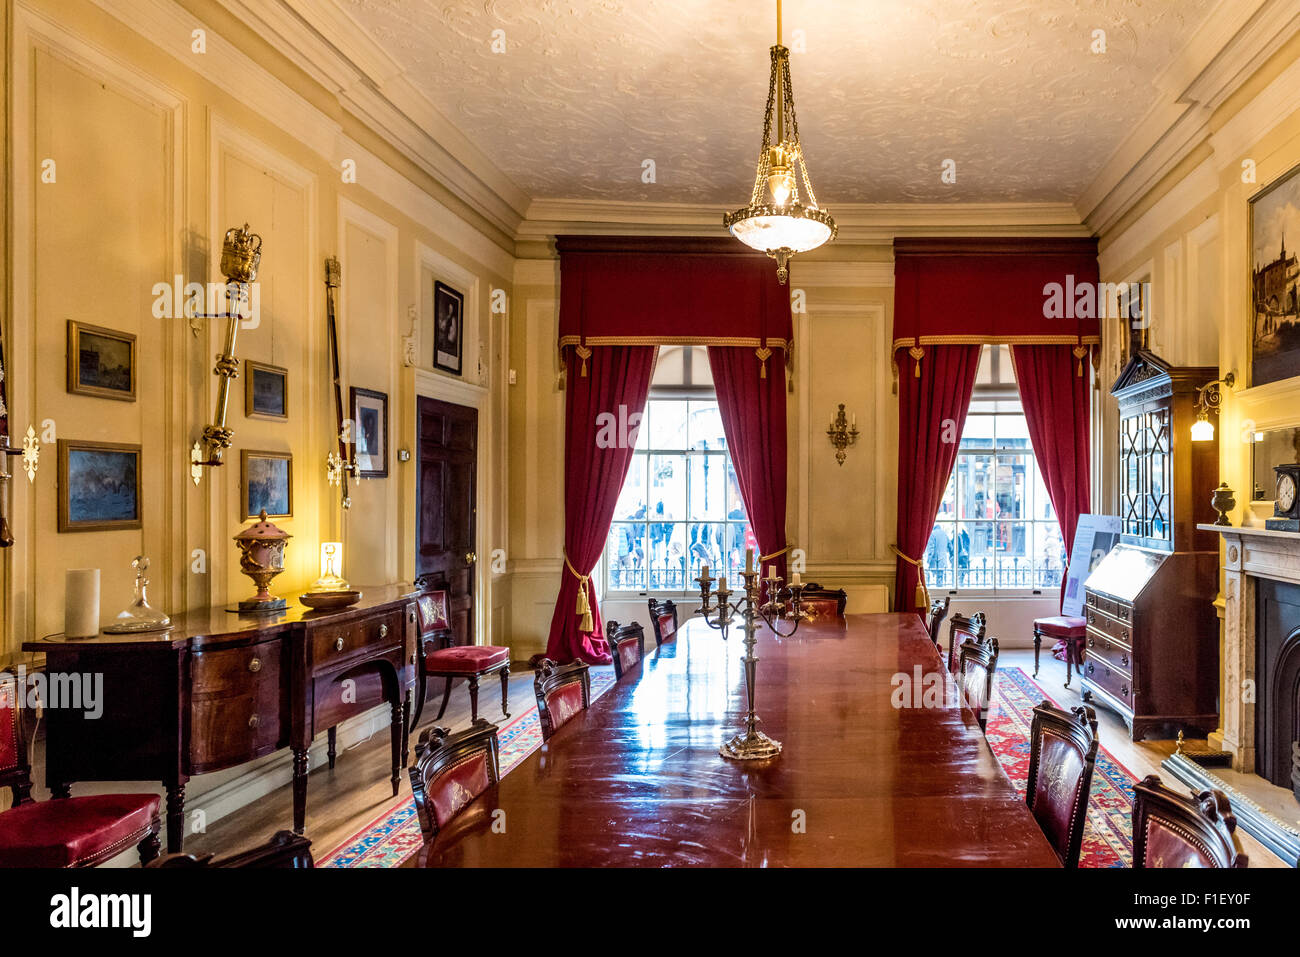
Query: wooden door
(446, 523)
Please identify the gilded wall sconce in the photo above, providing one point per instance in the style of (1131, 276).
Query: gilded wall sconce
(842, 434)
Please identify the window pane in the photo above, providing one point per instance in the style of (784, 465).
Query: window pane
(1042, 502)
(705, 431)
(706, 544)
(939, 556)
(667, 556)
(975, 557)
(667, 424)
(1010, 487)
(1015, 569)
(948, 506)
(1049, 555)
(631, 501)
(667, 488)
(978, 431)
(740, 536)
(975, 481)
(735, 503)
(625, 555)
(707, 487)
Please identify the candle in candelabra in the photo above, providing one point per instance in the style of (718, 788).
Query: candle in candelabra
(771, 573)
(722, 585)
(749, 560)
(796, 580)
(704, 573)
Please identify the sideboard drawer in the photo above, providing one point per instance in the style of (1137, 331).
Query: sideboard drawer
(1116, 609)
(1122, 631)
(238, 705)
(1116, 683)
(338, 643)
(1113, 652)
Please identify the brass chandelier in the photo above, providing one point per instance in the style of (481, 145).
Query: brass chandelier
(775, 221)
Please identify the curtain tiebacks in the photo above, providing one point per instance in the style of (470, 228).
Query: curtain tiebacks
(586, 625)
(922, 594)
(776, 554)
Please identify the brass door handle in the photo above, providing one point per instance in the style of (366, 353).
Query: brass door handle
(470, 558)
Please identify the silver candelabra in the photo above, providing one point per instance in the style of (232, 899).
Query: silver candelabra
(751, 744)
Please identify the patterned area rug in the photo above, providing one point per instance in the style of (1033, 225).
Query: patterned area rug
(395, 835)
(1108, 834)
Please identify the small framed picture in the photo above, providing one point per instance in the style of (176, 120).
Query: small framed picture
(99, 486)
(101, 362)
(370, 431)
(448, 328)
(267, 482)
(1275, 280)
(266, 391)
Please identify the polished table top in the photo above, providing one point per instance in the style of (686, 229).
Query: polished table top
(637, 780)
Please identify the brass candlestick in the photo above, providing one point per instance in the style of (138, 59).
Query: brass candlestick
(752, 744)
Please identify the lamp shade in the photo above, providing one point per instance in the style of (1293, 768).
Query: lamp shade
(1202, 430)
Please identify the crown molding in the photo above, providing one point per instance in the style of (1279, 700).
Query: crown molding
(859, 223)
(324, 41)
(1233, 43)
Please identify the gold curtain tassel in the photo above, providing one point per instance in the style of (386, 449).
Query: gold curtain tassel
(916, 352)
(586, 625)
(921, 595)
(1079, 353)
(584, 354)
(763, 355)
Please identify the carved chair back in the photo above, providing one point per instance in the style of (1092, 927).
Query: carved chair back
(663, 619)
(1170, 830)
(15, 739)
(938, 612)
(977, 664)
(960, 629)
(431, 609)
(1062, 754)
(822, 604)
(626, 645)
(562, 691)
(451, 770)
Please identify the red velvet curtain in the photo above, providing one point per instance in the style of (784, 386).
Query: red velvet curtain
(1053, 385)
(752, 406)
(616, 376)
(931, 413)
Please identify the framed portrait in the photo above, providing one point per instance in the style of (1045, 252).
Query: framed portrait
(370, 431)
(99, 486)
(448, 328)
(266, 479)
(101, 362)
(266, 391)
(1274, 274)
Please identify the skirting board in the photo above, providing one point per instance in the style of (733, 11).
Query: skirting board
(1271, 831)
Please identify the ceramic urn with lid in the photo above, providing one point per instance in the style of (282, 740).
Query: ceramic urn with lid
(261, 558)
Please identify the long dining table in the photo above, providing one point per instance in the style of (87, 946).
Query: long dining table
(636, 779)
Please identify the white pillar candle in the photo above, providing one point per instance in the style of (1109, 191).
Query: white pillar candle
(771, 573)
(81, 603)
(704, 573)
(749, 560)
(796, 580)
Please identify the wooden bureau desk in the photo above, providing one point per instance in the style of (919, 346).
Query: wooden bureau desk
(221, 689)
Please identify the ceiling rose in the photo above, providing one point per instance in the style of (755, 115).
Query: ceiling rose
(775, 221)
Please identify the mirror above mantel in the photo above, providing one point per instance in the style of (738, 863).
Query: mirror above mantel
(1271, 447)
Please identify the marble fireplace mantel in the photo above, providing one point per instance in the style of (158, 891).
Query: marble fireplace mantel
(1248, 554)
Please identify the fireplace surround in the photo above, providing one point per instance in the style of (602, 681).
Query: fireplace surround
(1277, 688)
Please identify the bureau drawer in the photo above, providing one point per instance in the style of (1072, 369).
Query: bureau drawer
(1121, 631)
(1118, 610)
(337, 643)
(238, 705)
(1113, 652)
(1116, 683)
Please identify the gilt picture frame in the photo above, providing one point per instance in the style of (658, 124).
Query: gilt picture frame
(266, 391)
(99, 486)
(101, 362)
(1275, 280)
(266, 483)
(370, 431)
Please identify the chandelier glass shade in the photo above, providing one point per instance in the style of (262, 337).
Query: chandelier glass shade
(777, 220)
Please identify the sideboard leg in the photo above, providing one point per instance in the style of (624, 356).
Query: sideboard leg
(406, 728)
(399, 727)
(299, 789)
(175, 818)
(332, 751)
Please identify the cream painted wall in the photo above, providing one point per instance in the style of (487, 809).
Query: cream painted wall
(159, 150)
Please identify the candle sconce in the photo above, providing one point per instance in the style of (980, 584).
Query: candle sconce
(842, 434)
(241, 254)
(751, 744)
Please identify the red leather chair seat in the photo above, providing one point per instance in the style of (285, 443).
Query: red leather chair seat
(466, 659)
(1060, 626)
(666, 626)
(70, 831)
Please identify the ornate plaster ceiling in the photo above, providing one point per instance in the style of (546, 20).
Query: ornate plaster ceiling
(586, 90)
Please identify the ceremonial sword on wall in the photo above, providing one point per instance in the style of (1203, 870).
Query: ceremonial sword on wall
(338, 462)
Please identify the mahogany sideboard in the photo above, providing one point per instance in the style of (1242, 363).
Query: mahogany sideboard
(220, 689)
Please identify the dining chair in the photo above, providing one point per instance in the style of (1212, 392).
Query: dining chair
(562, 691)
(977, 664)
(64, 831)
(938, 612)
(663, 619)
(1065, 628)
(822, 604)
(626, 645)
(436, 657)
(285, 851)
(1170, 830)
(1062, 753)
(451, 770)
(961, 628)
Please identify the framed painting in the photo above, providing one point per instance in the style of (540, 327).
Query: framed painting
(266, 479)
(101, 362)
(370, 431)
(99, 486)
(448, 328)
(1274, 275)
(266, 391)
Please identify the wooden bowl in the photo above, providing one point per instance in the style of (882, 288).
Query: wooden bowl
(329, 600)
